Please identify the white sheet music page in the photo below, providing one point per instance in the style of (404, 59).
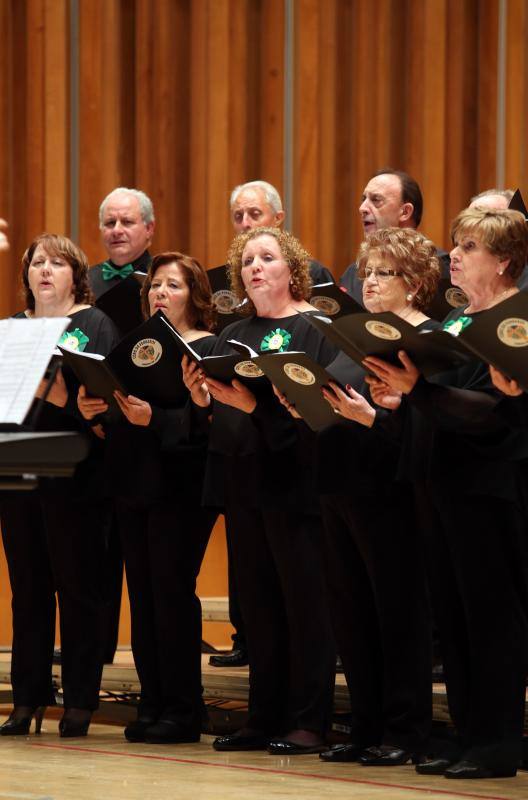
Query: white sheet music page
(26, 347)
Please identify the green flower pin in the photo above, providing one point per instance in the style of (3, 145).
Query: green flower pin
(456, 326)
(278, 340)
(75, 340)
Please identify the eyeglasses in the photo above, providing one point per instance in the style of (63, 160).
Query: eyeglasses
(380, 274)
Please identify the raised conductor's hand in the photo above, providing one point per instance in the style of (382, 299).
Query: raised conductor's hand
(4, 241)
(350, 404)
(90, 407)
(193, 379)
(236, 395)
(283, 400)
(382, 395)
(504, 384)
(58, 394)
(137, 411)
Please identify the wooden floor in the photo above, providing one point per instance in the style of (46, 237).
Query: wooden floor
(105, 766)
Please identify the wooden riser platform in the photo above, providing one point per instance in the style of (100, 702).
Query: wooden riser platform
(220, 684)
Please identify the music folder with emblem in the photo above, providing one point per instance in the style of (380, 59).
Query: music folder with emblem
(384, 334)
(122, 302)
(225, 368)
(146, 363)
(499, 336)
(447, 297)
(224, 299)
(301, 380)
(333, 301)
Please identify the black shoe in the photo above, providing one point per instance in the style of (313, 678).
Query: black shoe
(75, 723)
(341, 752)
(135, 731)
(470, 769)
(283, 747)
(237, 741)
(387, 756)
(19, 721)
(168, 731)
(237, 657)
(435, 766)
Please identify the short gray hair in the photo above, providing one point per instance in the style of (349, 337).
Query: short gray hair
(272, 197)
(507, 193)
(145, 204)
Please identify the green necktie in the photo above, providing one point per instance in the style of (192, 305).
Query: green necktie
(110, 272)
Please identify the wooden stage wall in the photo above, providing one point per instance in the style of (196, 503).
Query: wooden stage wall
(186, 98)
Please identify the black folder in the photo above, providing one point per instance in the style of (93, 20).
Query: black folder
(122, 302)
(334, 302)
(225, 301)
(222, 368)
(447, 298)
(384, 334)
(499, 336)
(301, 380)
(145, 363)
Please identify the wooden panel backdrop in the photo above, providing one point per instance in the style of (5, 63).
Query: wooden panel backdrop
(185, 99)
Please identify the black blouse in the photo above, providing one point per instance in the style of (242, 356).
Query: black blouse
(256, 459)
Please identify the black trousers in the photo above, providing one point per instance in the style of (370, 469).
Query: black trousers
(54, 544)
(163, 546)
(477, 573)
(380, 612)
(280, 581)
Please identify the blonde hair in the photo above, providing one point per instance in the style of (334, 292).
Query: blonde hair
(504, 233)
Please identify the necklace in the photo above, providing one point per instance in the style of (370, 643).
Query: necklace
(494, 300)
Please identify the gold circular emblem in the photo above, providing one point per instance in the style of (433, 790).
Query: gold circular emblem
(225, 301)
(299, 374)
(382, 330)
(248, 369)
(146, 353)
(326, 305)
(513, 332)
(456, 297)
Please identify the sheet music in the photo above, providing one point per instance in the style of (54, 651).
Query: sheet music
(26, 347)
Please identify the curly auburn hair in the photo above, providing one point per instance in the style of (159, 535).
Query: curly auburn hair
(409, 252)
(200, 311)
(504, 233)
(297, 258)
(60, 246)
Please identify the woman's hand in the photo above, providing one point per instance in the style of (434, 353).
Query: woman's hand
(504, 384)
(400, 380)
(90, 407)
(58, 394)
(236, 395)
(193, 379)
(350, 404)
(283, 400)
(382, 395)
(137, 411)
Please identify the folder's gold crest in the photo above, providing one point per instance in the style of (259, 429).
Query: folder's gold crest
(513, 332)
(299, 374)
(146, 352)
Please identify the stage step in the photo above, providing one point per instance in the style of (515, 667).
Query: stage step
(215, 609)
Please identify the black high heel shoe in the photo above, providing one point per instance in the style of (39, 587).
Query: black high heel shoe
(75, 723)
(19, 721)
